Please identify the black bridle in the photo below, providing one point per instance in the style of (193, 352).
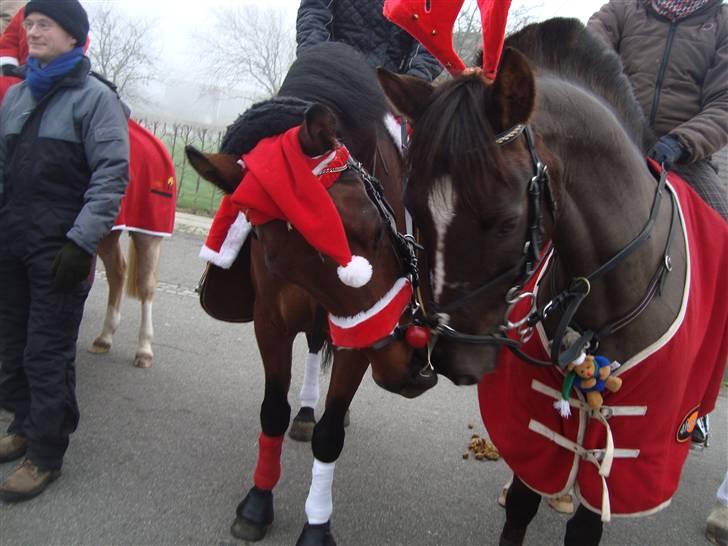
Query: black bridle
(568, 300)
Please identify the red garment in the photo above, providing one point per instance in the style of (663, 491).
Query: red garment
(13, 42)
(673, 381)
(227, 235)
(279, 184)
(434, 29)
(149, 203)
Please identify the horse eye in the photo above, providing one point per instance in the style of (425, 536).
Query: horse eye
(506, 227)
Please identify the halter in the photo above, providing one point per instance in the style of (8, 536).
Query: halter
(569, 299)
(404, 245)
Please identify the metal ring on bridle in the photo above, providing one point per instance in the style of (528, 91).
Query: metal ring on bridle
(513, 325)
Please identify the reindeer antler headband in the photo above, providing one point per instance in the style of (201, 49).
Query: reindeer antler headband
(431, 22)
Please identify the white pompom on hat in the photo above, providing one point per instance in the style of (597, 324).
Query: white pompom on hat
(356, 273)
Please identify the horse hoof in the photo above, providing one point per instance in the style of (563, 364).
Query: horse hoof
(316, 535)
(100, 347)
(253, 516)
(302, 426)
(143, 360)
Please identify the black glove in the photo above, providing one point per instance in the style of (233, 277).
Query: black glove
(666, 151)
(13, 70)
(71, 266)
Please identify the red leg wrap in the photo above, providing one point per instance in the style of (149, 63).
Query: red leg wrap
(268, 469)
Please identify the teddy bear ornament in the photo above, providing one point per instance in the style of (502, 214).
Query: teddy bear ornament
(591, 375)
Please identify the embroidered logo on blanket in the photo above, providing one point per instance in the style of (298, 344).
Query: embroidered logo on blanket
(688, 424)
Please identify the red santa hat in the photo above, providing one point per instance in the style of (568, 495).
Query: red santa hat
(281, 182)
(433, 28)
(227, 234)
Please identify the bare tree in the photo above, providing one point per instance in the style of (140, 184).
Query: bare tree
(468, 32)
(249, 50)
(120, 49)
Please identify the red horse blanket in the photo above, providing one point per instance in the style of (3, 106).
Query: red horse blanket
(151, 196)
(626, 460)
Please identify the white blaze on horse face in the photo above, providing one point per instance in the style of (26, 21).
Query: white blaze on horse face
(442, 209)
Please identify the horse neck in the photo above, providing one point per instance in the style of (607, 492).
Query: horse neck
(605, 194)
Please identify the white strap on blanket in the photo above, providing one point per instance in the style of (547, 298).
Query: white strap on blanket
(564, 442)
(606, 411)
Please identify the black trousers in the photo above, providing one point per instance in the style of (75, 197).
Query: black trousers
(38, 334)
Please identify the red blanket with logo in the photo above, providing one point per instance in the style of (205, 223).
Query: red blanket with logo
(665, 387)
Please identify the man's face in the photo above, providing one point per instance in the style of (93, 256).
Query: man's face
(46, 39)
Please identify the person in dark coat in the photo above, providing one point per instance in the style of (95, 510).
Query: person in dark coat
(362, 25)
(675, 53)
(64, 167)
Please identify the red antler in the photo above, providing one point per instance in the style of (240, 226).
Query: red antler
(433, 28)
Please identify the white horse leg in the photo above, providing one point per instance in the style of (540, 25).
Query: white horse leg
(109, 251)
(147, 257)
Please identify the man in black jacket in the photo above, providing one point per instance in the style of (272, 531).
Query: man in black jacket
(64, 166)
(361, 24)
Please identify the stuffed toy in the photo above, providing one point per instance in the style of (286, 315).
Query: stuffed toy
(591, 375)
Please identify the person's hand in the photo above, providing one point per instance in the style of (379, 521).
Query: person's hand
(71, 266)
(666, 151)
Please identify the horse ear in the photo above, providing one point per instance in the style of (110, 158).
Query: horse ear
(514, 89)
(318, 131)
(408, 95)
(223, 170)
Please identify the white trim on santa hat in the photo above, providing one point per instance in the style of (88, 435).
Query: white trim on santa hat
(234, 240)
(9, 60)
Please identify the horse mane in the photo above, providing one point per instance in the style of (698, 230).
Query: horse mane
(330, 73)
(566, 48)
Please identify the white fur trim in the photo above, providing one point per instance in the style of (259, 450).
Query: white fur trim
(8, 60)
(579, 360)
(350, 322)
(394, 129)
(124, 227)
(356, 273)
(234, 240)
(321, 166)
(320, 503)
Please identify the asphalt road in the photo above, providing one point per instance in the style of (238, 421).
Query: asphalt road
(163, 456)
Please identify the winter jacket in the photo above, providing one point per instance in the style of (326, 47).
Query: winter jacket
(8, 8)
(679, 70)
(362, 25)
(64, 161)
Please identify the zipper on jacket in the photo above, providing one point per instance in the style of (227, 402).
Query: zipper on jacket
(661, 73)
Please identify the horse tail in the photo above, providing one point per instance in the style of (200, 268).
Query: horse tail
(132, 272)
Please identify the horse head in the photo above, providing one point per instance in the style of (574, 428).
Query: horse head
(370, 315)
(469, 175)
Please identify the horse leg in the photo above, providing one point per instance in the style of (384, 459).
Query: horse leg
(304, 421)
(584, 528)
(142, 286)
(109, 250)
(327, 443)
(521, 506)
(254, 514)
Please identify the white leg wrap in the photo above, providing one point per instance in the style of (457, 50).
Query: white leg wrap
(320, 504)
(309, 394)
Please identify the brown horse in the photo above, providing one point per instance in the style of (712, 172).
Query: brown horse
(147, 213)
(332, 94)
(552, 151)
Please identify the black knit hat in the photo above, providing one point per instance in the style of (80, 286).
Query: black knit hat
(69, 14)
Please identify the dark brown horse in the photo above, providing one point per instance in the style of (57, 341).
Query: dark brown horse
(552, 151)
(332, 94)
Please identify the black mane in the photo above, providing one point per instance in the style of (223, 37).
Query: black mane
(566, 48)
(330, 73)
